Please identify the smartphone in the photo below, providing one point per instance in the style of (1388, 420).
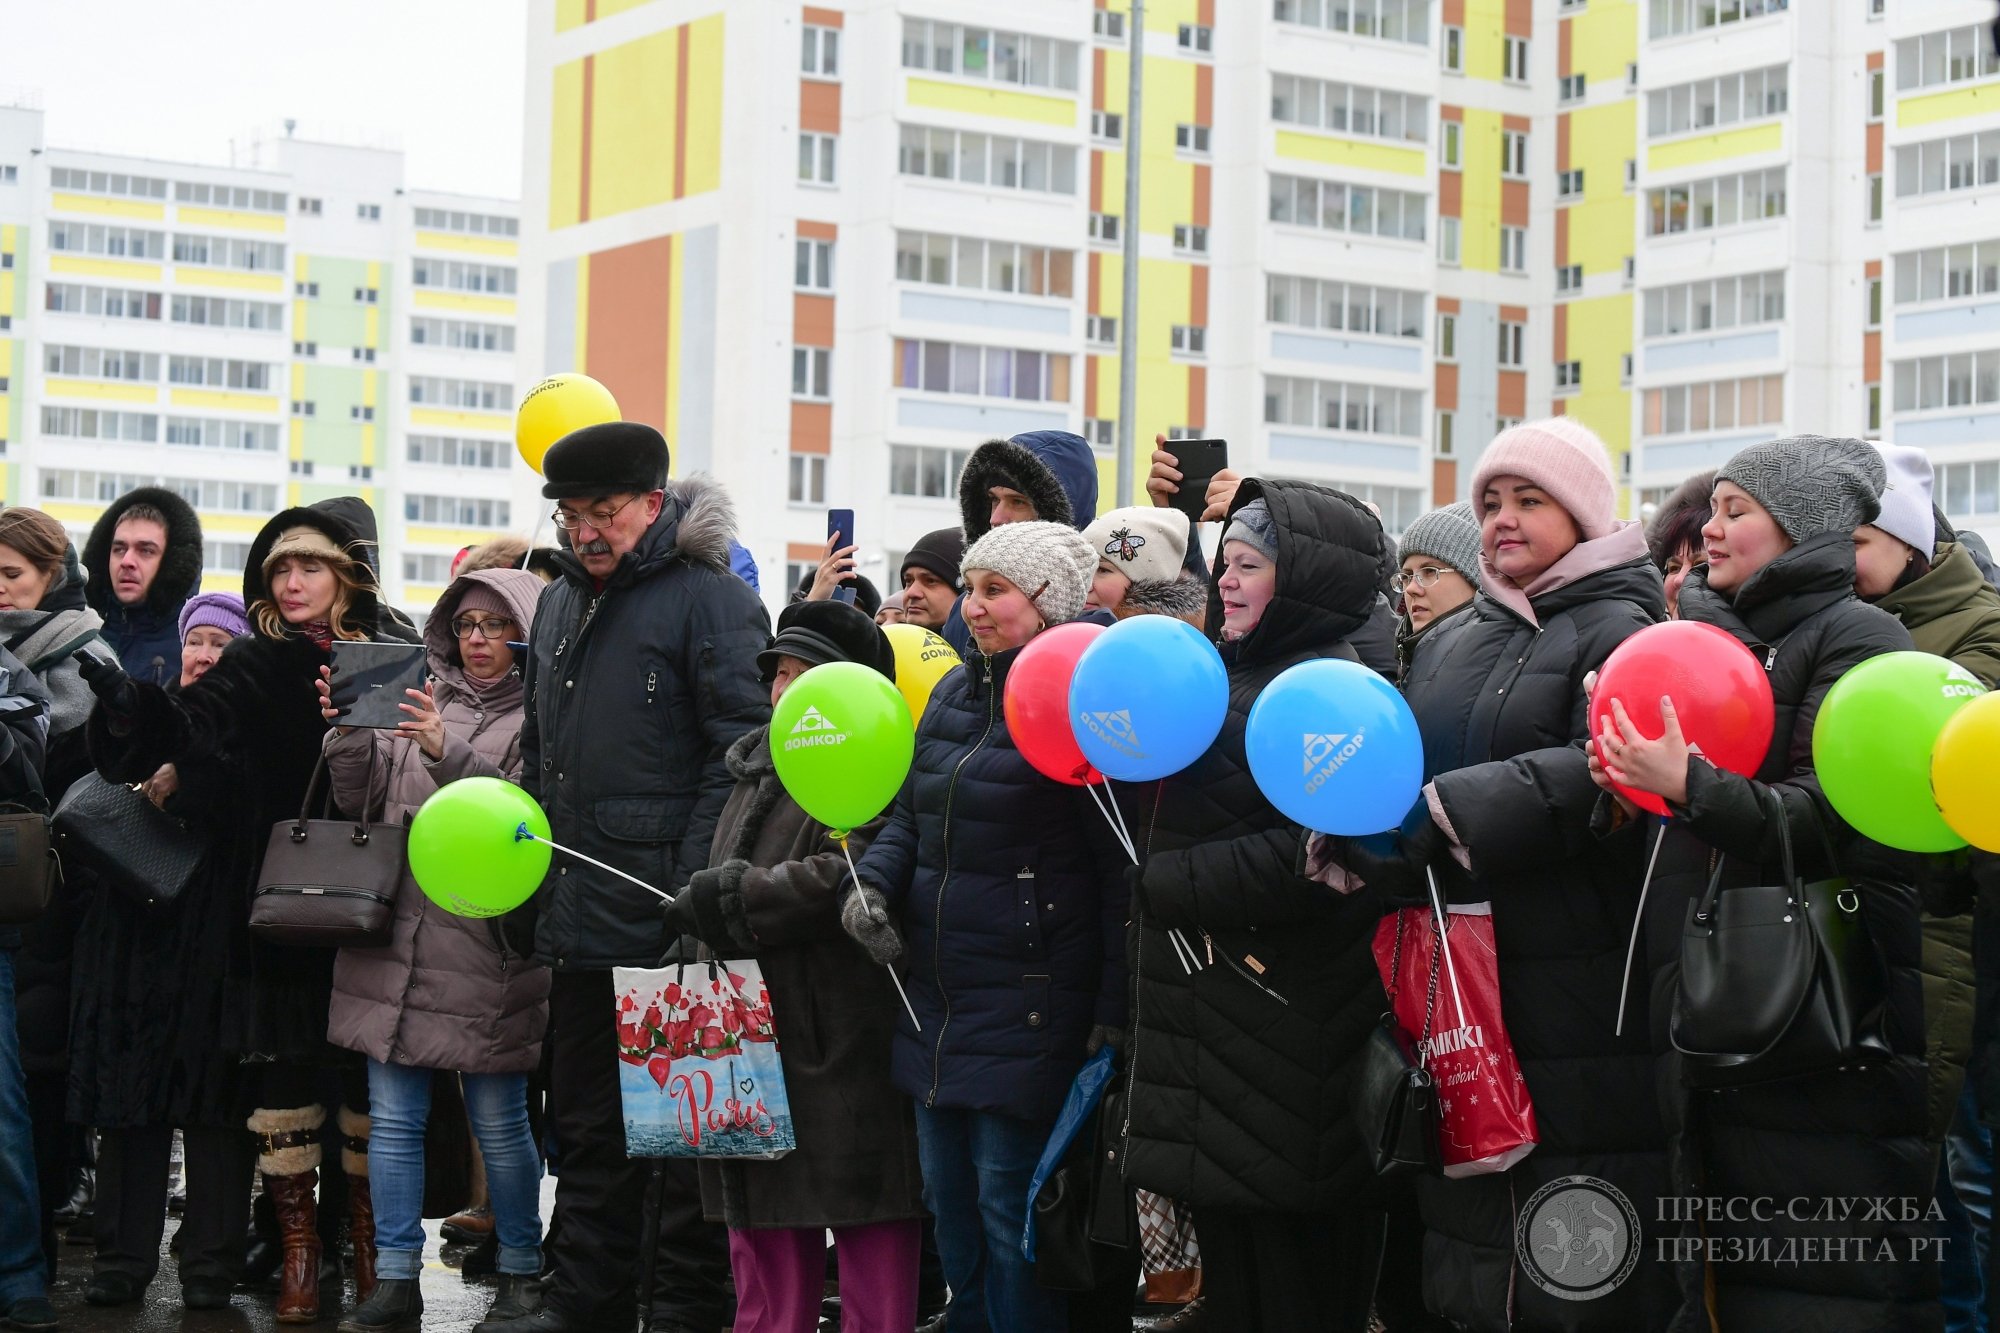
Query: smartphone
(1198, 461)
(384, 671)
(840, 523)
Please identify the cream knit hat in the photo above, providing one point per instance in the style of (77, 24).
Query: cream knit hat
(1050, 562)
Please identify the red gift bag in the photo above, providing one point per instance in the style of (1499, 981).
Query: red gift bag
(1450, 997)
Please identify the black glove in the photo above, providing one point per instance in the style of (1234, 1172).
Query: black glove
(1400, 874)
(678, 913)
(115, 692)
(1135, 884)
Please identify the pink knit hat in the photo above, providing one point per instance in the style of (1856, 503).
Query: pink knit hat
(1564, 458)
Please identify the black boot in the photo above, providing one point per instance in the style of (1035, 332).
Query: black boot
(543, 1320)
(513, 1297)
(395, 1306)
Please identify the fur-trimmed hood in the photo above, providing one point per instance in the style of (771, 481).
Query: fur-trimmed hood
(179, 575)
(1053, 468)
(1184, 598)
(349, 523)
(517, 587)
(696, 524)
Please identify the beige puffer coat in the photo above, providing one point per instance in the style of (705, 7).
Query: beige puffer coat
(444, 993)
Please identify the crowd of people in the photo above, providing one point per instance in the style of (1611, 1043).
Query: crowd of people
(625, 679)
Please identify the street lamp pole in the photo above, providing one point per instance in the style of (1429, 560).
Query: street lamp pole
(1128, 319)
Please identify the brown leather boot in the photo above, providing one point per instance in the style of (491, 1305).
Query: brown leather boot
(290, 1159)
(354, 1128)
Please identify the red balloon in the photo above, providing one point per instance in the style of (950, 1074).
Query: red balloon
(1037, 703)
(1719, 689)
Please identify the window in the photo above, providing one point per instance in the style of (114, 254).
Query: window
(1873, 410)
(1724, 201)
(998, 160)
(1690, 409)
(1963, 162)
(1189, 340)
(79, 181)
(1356, 408)
(1102, 432)
(110, 302)
(1931, 382)
(1948, 273)
(1874, 196)
(1364, 210)
(96, 363)
(468, 224)
(812, 263)
(1873, 304)
(1625, 370)
(819, 51)
(226, 312)
(1513, 249)
(1451, 136)
(1390, 20)
(235, 197)
(1752, 95)
(1324, 303)
(1514, 154)
(812, 372)
(1186, 432)
(85, 423)
(368, 212)
(305, 349)
(1448, 241)
(229, 496)
(230, 557)
(1196, 38)
(1447, 423)
(1672, 18)
(1572, 88)
(1876, 81)
(367, 295)
(1108, 126)
(366, 354)
(816, 157)
(1569, 184)
(1100, 329)
(1969, 490)
(361, 412)
(1190, 239)
(470, 395)
(1569, 278)
(309, 290)
(1514, 60)
(994, 372)
(1952, 56)
(1447, 337)
(1108, 24)
(461, 335)
(360, 472)
(427, 568)
(9, 173)
(228, 252)
(1104, 228)
(302, 467)
(1191, 139)
(1452, 57)
(450, 451)
(806, 484)
(309, 207)
(1345, 108)
(1631, 274)
(1714, 303)
(94, 238)
(455, 275)
(994, 266)
(985, 53)
(925, 471)
(1632, 75)
(304, 407)
(457, 511)
(1569, 376)
(1631, 173)
(1513, 345)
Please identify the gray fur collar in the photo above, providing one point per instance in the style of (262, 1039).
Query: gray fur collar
(1185, 597)
(750, 757)
(708, 519)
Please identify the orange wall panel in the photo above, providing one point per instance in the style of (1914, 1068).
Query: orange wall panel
(1521, 18)
(812, 428)
(822, 18)
(819, 106)
(818, 231)
(1513, 393)
(1447, 386)
(1451, 193)
(1514, 203)
(812, 320)
(1444, 481)
(1871, 358)
(628, 340)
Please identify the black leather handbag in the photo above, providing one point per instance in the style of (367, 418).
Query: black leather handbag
(329, 883)
(115, 831)
(29, 870)
(1085, 1219)
(1396, 1101)
(1777, 980)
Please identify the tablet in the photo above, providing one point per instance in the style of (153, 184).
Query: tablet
(383, 671)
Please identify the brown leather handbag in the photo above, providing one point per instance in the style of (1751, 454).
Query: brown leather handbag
(329, 883)
(29, 872)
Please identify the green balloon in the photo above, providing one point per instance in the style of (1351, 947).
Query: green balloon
(842, 740)
(465, 851)
(1872, 746)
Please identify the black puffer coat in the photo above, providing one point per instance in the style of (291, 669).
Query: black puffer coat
(1499, 700)
(1238, 1100)
(635, 692)
(1833, 1136)
(164, 1008)
(147, 637)
(1009, 889)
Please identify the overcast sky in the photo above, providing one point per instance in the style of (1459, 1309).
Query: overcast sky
(442, 78)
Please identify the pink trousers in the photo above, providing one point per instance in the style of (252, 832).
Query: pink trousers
(781, 1272)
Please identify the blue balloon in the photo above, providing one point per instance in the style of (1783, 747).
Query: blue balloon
(1148, 696)
(1336, 748)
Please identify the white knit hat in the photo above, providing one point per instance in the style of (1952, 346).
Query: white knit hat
(1144, 543)
(1906, 503)
(1050, 562)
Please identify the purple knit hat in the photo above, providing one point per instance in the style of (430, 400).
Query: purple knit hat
(222, 610)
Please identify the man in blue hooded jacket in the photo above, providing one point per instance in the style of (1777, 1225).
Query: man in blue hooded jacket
(1050, 475)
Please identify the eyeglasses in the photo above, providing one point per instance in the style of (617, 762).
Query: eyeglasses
(598, 519)
(1423, 576)
(492, 629)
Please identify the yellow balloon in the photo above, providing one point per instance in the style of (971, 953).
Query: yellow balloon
(1965, 778)
(922, 660)
(557, 406)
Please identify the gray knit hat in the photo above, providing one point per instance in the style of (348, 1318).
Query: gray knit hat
(1811, 483)
(1450, 534)
(1253, 526)
(1051, 562)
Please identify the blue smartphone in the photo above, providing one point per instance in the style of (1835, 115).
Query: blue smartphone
(840, 523)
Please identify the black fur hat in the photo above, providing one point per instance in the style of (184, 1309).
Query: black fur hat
(611, 458)
(822, 632)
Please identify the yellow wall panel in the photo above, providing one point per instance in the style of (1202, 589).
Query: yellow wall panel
(102, 390)
(104, 268)
(296, 437)
(1978, 100)
(452, 537)
(301, 266)
(703, 171)
(1168, 15)
(223, 400)
(472, 245)
(484, 305)
(450, 419)
(569, 14)
(371, 335)
(1603, 40)
(1479, 232)
(6, 291)
(229, 217)
(985, 100)
(1337, 152)
(1716, 147)
(1485, 40)
(110, 208)
(75, 513)
(233, 525)
(566, 141)
(230, 278)
(1601, 141)
(1600, 336)
(631, 126)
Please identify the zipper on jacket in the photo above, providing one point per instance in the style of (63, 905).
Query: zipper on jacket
(652, 686)
(937, 927)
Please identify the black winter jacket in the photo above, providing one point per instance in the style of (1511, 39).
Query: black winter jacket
(635, 692)
(147, 637)
(24, 738)
(1010, 890)
(1239, 1099)
(1837, 1135)
(1500, 704)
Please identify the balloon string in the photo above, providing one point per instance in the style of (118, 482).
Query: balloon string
(521, 834)
(1117, 826)
(894, 980)
(1444, 924)
(1107, 805)
(1638, 918)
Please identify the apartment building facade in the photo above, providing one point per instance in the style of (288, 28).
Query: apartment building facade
(257, 337)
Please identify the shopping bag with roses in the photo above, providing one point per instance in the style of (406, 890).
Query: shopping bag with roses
(698, 1066)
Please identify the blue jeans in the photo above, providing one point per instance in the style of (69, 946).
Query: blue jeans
(1965, 1193)
(399, 1101)
(23, 1270)
(976, 1171)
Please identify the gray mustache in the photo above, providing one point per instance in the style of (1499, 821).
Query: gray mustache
(598, 547)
